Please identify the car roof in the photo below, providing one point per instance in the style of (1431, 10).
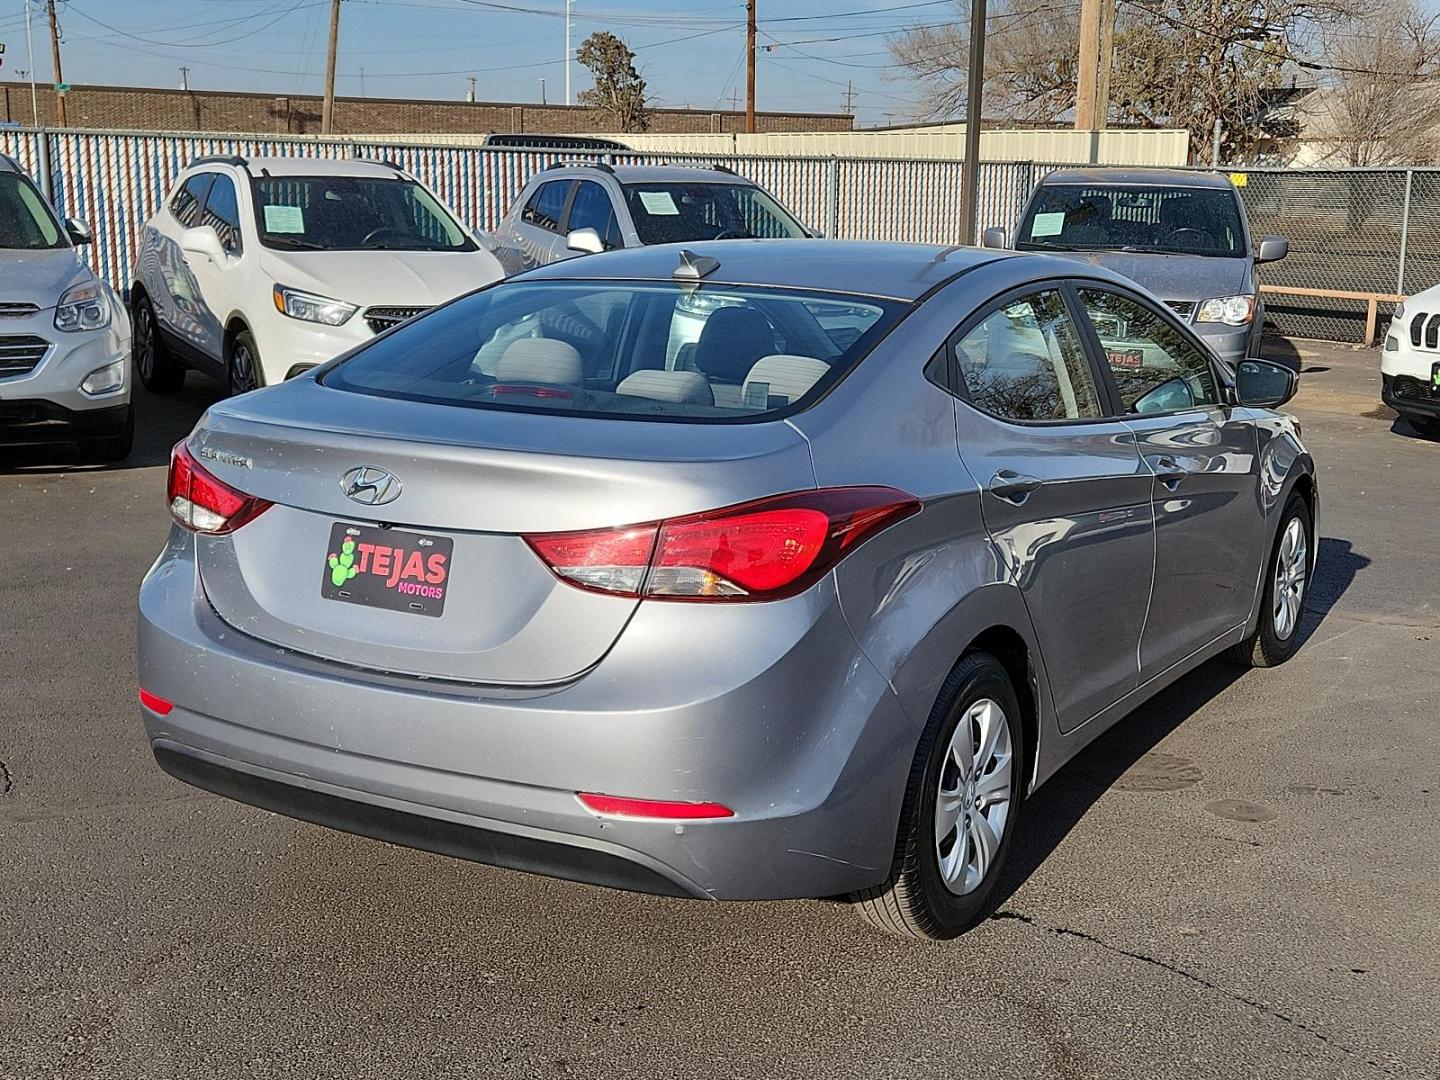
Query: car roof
(859, 267)
(305, 166)
(654, 174)
(1158, 177)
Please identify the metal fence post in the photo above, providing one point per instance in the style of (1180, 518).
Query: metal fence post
(1404, 232)
(832, 210)
(42, 165)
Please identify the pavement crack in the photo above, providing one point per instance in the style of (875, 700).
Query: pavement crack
(6, 783)
(1199, 980)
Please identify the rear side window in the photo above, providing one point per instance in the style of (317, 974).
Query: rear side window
(646, 351)
(547, 205)
(1025, 362)
(1156, 369)
(185, 204)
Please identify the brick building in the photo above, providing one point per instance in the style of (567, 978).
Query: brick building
(135, 108)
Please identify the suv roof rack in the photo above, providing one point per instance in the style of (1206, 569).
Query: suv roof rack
(603, 166)
(718, 167)
(383, 161)
(219, 159)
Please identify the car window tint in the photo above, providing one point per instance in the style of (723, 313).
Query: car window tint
(1156, 368)
(1024, 361)
(222, 213)
(592, 209)
(186, 203)
(547, 205)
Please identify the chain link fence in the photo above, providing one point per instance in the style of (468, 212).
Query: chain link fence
(1370, 230)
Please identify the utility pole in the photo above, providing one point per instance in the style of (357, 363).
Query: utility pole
(30, 62)
(327, 111)
(970, 176)
(184, 77)
(569, 15)
(750, 67)
(470, 94)
(849, 97)
(55, 62)
(542, 91)
(1092, 72)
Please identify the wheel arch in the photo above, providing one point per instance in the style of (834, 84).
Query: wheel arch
(1010, 647)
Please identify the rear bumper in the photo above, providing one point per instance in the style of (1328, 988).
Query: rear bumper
(808, 746)
(35, 421)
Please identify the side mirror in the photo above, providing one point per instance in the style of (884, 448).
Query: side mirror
(1272, 249)
(994, 237)
(585, 241)
(78, 231)
(203, 240)
(1264, 384)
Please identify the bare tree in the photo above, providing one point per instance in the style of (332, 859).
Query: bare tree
(1178, 63)
(619, 91)
(1382, 105)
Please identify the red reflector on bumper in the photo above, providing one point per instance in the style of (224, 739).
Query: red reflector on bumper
(615, 806)
(155, 703)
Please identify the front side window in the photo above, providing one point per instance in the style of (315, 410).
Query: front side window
(672, 213)
(1025, 362)
(1156, 368)
(186, 203)
(222, 213)
(547, 205)
(592, 209)
(26, 223)
(624, 350)
(353, 213)
(1140, 218)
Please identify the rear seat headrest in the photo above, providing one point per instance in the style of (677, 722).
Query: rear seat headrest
(541, 360)
(782, 376)
(686, 387)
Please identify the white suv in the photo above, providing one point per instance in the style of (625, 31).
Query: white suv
(64, 341)
(256, 270)
(1410, 362)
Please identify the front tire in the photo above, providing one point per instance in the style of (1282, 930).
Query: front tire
(1287, 584)
(960, 808)
(156, 369)
(243, 364)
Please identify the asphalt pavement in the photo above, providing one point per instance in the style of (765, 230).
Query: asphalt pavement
(1240, 880)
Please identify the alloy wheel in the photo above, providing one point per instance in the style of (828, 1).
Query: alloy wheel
(144, 342)
(972, 804)
(242, 369)
(1292, 566)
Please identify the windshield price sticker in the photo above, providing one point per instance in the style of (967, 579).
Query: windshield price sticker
(659, 202)
(1048, 224)
(284, 219)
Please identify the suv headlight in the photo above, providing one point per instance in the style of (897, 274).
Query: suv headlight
(311, 308)
(1231, 310)
(82, 307)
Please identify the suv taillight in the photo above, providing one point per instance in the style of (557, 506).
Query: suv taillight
(201, 502)
(761, 550)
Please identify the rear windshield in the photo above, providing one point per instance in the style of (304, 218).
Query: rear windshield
(1141, 218)
(676, 213)
(651, 351)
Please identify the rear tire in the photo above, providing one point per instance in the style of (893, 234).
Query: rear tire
(111, 448)
(955, 830)
(1287, 584)
(156, 369)
(243, 364)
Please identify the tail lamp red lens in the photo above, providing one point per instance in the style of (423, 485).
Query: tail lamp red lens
(203, 503)
(618, 806)
(155, 703)
(761, 550)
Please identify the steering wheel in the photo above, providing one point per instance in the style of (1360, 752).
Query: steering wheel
(730, 234)
(384, 230)
(1201, 234)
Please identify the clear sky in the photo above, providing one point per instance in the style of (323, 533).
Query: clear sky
(691, 52)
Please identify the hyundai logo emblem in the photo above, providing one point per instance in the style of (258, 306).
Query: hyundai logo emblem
(371, 486)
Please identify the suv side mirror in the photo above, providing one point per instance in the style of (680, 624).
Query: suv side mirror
(203, 240)
(586, 241)
(78, 231)
(1264, 384)
(994, 237)
(1272, 249)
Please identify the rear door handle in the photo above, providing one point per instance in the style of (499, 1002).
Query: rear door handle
(1168, 471)
(1013, 486)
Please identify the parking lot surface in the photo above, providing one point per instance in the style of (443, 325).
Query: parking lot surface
(1240, 880)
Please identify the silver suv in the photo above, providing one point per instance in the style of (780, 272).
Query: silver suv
(579, 209)
(64, 338)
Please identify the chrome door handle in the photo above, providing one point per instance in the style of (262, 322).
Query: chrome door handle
(1168, 471)
(1013, 486)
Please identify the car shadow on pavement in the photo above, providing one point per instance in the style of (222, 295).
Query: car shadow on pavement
(1281, 351)
(1405, 429)
(161, 420)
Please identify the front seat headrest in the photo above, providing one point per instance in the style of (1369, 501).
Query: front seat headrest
(732, 340)
(540, 360)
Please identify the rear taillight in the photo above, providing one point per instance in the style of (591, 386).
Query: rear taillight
(761, 550)
(201, 502)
